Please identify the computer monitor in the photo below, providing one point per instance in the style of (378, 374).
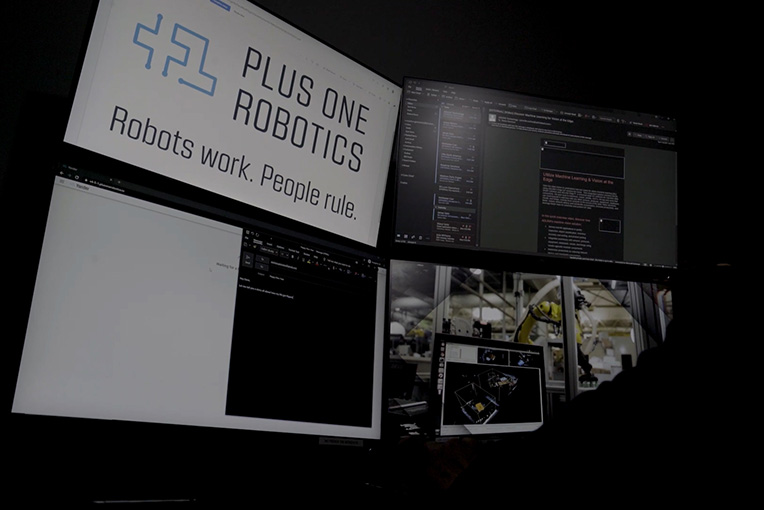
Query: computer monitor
(484, 387)
(228, 97)
(190, 327)
(149, 306)
(485, 171)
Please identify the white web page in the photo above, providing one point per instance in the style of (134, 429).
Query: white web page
(132, 312)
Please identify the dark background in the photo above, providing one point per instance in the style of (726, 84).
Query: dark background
(693, 65)
(645, 56)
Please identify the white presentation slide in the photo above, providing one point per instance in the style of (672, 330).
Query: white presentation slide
(226, 97)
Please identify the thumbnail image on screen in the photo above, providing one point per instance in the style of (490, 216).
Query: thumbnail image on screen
(484, 386)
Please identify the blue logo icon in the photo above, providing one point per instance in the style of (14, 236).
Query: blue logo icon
(190, 66)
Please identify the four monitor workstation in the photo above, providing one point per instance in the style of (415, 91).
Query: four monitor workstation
(215, 255)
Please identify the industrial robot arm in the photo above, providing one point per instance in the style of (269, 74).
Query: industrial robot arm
(551, 313)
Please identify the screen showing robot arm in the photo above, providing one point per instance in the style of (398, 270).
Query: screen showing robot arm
(551, 313)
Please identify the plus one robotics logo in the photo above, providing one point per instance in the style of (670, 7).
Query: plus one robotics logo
(189, 45)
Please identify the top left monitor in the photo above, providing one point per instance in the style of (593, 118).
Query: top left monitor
(227, 97)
